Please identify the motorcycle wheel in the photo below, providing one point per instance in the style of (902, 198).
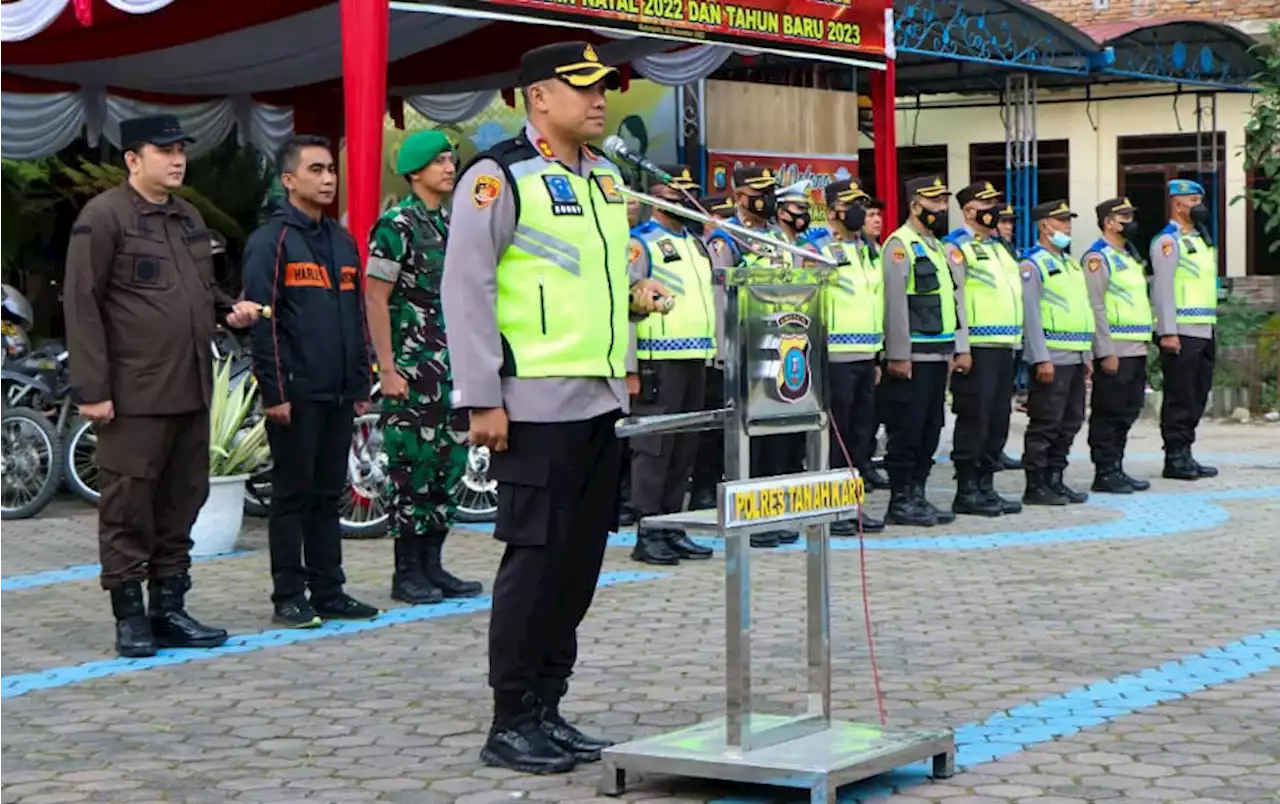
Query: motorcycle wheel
(80, 463)
(363, 513)
(30, 463)
(476, 494)
(257, 494)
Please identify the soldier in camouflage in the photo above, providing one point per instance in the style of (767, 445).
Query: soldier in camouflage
(424, 438)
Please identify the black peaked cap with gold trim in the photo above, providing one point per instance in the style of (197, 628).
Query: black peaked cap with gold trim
(681, 177)
(718, 204)
(755, 178)
(927, 187)
(847, 191)
(978, 191)
(1007, 213)
(1113, 205)
(1052, 209)
(575, 63)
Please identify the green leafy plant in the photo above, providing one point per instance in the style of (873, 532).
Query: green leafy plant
(1262, 139)
(233, 448)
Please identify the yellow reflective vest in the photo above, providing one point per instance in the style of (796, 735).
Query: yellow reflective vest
(1065, 311)
(992, 291)
(681, 263)
(931, 294)
(1195, 282)
(1129, 316)
(856, 301)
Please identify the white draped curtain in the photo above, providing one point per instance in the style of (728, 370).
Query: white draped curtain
(23, 19)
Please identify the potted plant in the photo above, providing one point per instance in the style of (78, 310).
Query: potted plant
(236, 448)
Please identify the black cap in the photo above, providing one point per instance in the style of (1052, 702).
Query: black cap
(157, 129)
(1114, 205)
(927, 187)
(681, 177)
(718, 204)
(755, 178)
(847, 191)
(978, 191)
(575, 63)
(1052, 209)
(1007, 213)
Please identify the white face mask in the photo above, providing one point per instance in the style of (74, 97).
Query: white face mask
(1060, 239)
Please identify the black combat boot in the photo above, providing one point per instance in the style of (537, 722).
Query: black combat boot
(684, 547)
(1054, 481)
(849, 527)
(874, 478)
(133, 630)
(518, 742)
(969, 497)
(987, 485)
(941, 516)
(1108, 479)
(408, 584)
(702, 498)
(765, 541)
(788, 536)
(1179, 465)
(1038, 491)
(1134, 483)
(172, 626)
(1202, 469)
(905, 509)
(435, 573)
(652, 548)
(1008, 464)
(562, 733)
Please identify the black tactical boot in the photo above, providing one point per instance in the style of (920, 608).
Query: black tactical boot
(1008, 464)
(435, 573)
(765, 540)
(517, 741)
(849, 527)
(942, 516)
(133, 630)
(626, 517)
(702, 498)
(987, 485)
(566, 737)
(1054, 481)
(172, 626)
(684, 547)
(1179, 465)
(1038, 491)
(874, 478)
(788, 536)
(905, 509)
(408, 584)
(969, 497)
(652, 548)
(1202, 469)
(1134, 483)
(1108, 479)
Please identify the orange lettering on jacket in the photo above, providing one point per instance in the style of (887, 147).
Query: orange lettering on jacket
(306, 275)
(348, 278)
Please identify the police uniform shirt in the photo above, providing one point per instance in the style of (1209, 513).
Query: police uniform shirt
(1165, 252)
(478, 238)
(855, 253)
(897, 260)
(1097, 275)
(1034, 348)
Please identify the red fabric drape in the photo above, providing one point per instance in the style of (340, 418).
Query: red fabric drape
(365, 26)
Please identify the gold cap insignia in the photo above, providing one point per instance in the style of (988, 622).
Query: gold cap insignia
(589, 53)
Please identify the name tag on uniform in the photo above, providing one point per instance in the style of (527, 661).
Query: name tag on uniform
(1188, 245)
(668, 249)
(837, 252)
(979, 253)
(609, 188)
(564, 201)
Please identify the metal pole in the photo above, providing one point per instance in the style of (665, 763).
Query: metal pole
(737, 587)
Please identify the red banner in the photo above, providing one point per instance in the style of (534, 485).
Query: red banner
(847, 29)
(819, 170)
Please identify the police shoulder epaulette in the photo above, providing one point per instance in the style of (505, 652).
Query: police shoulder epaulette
(1098, 246)
(1170, 228)
(958, 237)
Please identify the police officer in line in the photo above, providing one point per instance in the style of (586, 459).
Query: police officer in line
(981, 397)
(794, 215)
(1184, 293)
(424, 437)
(141, 308)
(924, 309)
(855, 334)
(672, 353)
(872, 229)
(538, 339)
(1005, 220)
(1117, 281)
(720, 206)
(1057, 341)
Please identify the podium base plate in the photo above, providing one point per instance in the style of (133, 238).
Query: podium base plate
(819, 763)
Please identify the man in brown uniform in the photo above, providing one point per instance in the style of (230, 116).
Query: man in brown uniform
(141, 307)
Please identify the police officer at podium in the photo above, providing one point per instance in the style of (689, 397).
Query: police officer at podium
(1184, 292)
(1057, 345)
(535, 296)
(981, 397)
(672, 353)
(1117, 281)
(924, 308)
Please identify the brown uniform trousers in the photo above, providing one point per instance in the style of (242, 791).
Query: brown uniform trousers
(141, 309)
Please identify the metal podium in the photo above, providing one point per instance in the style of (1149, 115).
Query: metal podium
(775, 383)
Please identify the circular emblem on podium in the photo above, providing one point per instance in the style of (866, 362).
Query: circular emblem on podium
(794, 375)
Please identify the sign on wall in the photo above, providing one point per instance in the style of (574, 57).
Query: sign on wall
(819, 169)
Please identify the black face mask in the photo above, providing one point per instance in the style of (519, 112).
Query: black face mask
(1199, 214)
(935, 222)
(763, 205)
(1129, 230)
(800, 222)
(988, 218)
(854, 217)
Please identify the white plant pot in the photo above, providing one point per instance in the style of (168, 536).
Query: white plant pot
(218, 525)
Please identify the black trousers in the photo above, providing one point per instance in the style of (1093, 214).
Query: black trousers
(1055, 411)
(708, 463)
(557, 503)
(308, 475)
(981, 400)
(661, 464)
(853, 413)
(914, 411)
(1188, 376)
(1116, 404)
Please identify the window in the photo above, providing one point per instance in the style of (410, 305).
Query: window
(913, 161)
(987, 163)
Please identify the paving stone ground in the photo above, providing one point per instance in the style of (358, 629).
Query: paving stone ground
(397, 714)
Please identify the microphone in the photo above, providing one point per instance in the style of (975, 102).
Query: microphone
(615, 147)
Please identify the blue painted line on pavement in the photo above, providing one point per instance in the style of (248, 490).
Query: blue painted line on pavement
(1017, 729)
(12, 686)
(80, 572)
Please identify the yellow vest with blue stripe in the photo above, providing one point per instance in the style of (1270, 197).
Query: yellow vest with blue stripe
(750, 258)
(1129, 315)
(680, 262)
(563, 283)
(1065, 312)
(855, 303)
(1195, 282)
(992, 290)
(931, 293)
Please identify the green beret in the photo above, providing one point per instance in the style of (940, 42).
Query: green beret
(419, 149)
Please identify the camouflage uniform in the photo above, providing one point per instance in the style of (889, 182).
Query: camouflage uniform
(425, 440)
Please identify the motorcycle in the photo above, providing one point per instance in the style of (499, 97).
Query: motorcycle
(30, 449)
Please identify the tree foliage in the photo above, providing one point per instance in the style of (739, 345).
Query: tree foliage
(1262, 140)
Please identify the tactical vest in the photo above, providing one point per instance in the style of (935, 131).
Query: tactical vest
(563, 283)
(1065, 312)
(931, 295)
(1195, 282)
(992, 293)
(1129, 315)
(856, 301)
(680, 262)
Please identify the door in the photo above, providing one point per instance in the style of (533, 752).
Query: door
(1147, 188)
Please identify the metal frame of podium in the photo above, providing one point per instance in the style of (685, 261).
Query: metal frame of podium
(775, 383)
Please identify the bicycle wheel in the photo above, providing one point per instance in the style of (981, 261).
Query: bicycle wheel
(80, 463)
(30, 463)
(363, 513)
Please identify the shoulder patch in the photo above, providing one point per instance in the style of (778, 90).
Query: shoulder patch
(1094, 263)
(957, 256)
(717, 245)
(899, 254)
(1026, 274)
(485, 190)
(634, 252)
(1166, 246)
